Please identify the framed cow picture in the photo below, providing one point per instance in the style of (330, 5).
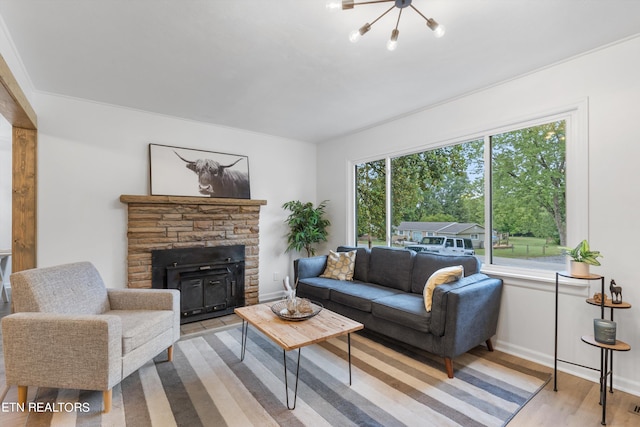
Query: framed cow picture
(179, 171)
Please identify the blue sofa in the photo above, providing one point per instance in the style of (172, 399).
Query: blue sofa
(386, 295)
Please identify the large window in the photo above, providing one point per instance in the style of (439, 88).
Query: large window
(504, 194)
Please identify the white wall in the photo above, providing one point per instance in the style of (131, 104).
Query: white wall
(89, 154)
(608, 78)
(5, 192)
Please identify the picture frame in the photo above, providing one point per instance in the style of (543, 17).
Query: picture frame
(179, 171)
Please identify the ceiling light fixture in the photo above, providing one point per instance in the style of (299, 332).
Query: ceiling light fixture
(354, 36)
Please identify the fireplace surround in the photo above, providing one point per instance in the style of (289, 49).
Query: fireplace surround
(171, 222)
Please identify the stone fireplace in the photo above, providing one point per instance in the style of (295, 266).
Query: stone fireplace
(157, 223)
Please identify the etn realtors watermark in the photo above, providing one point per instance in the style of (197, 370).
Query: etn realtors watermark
(45, 407)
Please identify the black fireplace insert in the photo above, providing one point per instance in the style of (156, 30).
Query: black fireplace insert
(210, 279)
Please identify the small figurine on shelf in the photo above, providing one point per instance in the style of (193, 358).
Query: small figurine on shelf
(616, 292)
(597, 298)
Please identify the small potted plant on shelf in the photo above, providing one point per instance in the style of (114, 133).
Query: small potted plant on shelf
(581, 258)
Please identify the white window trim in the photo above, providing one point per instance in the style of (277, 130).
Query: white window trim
(577, 175)
(577, 131)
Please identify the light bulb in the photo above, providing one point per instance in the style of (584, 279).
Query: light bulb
(392, 43)
(439, 32)
(334, 4)
(354, 36)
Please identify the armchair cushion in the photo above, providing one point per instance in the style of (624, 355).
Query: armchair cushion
(148, 299)
(140, 326)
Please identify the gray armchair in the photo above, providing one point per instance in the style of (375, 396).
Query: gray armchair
(69, 331)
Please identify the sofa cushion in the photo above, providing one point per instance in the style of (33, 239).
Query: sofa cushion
(362, 261)
(340, 265)
(391, 267)
(360, 295)
(405, 309)
(309, 267)
(141, 326)
(425, 264)
(440, 277)
(319, 288)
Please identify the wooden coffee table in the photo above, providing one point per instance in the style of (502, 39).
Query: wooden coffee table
(291, 335)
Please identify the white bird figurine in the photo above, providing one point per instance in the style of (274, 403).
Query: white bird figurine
(291, 292)
(286, 284)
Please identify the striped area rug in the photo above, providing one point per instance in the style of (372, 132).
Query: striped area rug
(208, 385)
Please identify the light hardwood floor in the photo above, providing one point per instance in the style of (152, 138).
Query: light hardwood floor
(574, 404)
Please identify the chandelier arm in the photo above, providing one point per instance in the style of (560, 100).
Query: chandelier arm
(419, 13)
(398, 21)
(388, 10)
(372, 2)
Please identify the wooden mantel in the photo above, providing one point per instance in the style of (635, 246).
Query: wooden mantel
(171, 222)
(183, 200)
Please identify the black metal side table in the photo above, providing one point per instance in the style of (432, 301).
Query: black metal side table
(606, 354)
(606, 350)
(555, 353)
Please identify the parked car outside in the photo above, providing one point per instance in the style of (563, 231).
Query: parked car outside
(444, 245)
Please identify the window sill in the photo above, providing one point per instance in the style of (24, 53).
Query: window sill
(541, 280)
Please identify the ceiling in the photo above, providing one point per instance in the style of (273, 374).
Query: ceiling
(286, 67)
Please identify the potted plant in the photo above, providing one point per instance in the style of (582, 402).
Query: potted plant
(307, 225)
(581, 258)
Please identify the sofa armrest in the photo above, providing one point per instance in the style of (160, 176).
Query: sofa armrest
(304, 268)
(144, 299)
(466, 312)
(64, 351)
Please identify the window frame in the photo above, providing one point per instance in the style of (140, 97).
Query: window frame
(577, 180)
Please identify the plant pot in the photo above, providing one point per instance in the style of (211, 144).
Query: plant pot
(579, 269)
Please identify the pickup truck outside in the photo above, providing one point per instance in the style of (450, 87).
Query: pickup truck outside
(444, 245)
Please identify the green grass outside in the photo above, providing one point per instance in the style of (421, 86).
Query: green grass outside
(365, 243)
(522, 247)
(526, 247)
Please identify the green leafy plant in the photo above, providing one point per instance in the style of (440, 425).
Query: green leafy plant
(307, 226)
(583, 253)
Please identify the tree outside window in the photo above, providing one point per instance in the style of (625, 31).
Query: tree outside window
(445, 187)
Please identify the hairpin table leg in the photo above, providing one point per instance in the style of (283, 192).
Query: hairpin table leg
(349, 345)
(286, 385)
(245, 328)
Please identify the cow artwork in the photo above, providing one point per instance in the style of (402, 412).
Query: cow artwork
(219, 175)
(216, 180)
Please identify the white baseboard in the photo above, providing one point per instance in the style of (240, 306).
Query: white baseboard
(271, 296)
(619, 383)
